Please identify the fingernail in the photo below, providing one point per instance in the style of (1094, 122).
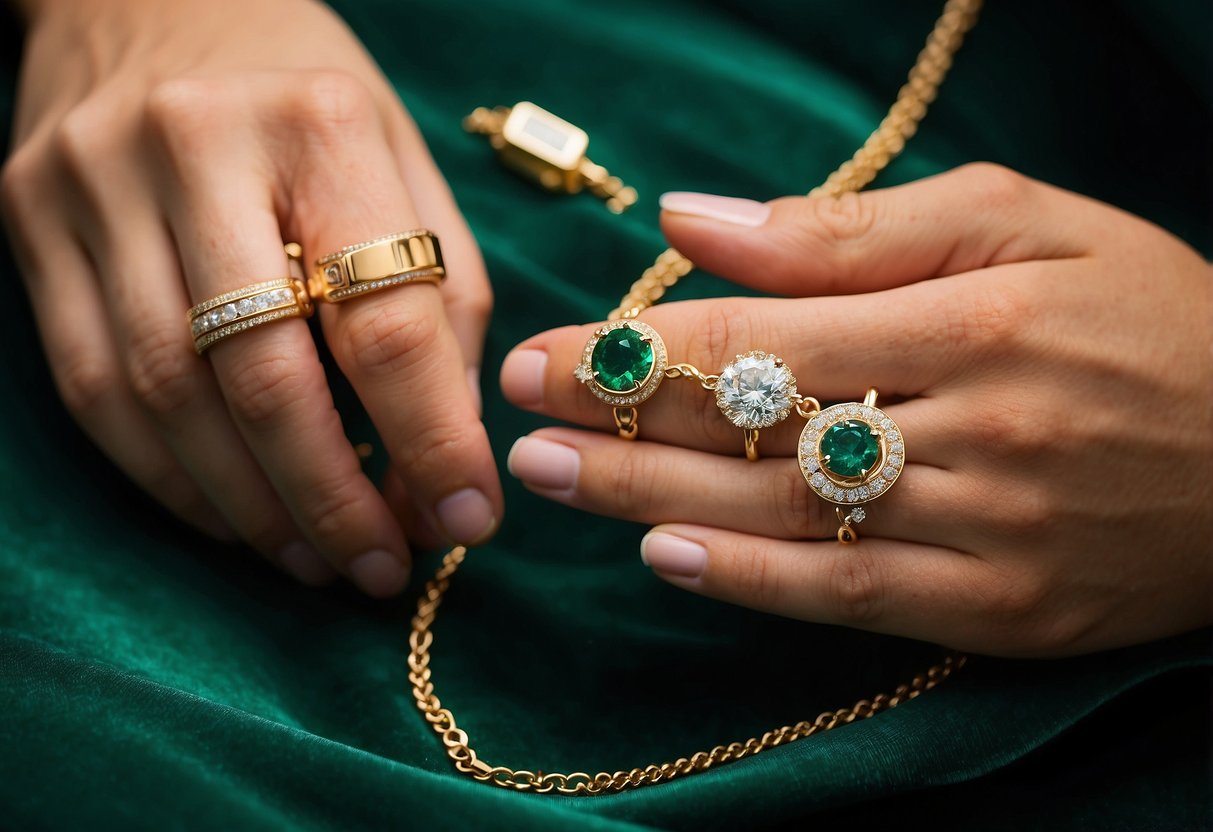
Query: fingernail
(672, 555)
(378, 573)
(466, 516)
(721, 208)
(305, 564)
(544, 464)
(474, 386)
(522, 377)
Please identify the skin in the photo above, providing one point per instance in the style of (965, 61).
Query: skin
(163, 156)
(1047, 357)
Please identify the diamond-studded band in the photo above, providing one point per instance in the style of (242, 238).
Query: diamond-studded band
(409, 257)
(250, 306)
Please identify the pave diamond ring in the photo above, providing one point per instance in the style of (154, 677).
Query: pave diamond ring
(408, 257)
(251, 306)
(623, 364)
(850, 454)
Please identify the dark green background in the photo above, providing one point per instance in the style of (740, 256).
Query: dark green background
(150, 679)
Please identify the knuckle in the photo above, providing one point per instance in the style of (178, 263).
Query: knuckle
(161, 366)
(333, 508)
(992, 185)
(992, 319)
(629, 483)
(1023, 516)
(84, 380)
(18, 180)
(835, 230)
(263, 391)
(185, 112)
(80, 140)
(331, 102)
(384, 340)
(854, 587)
(798, 513)
(435, 450)
(754, 576)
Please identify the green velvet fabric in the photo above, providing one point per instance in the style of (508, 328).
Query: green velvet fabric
(150, 679)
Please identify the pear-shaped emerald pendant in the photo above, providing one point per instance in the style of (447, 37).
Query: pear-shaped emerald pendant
(623, 362)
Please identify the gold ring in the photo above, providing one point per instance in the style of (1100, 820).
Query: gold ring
(623, 364)
(410, 257)
(850, 454)
(755, 391)
(251, 306)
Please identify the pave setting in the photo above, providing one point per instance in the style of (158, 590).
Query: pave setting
(756, 391)
(623, 363)
(850, 454)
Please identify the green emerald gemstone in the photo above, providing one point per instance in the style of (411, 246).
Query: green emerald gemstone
(621, 360)
(851, 448)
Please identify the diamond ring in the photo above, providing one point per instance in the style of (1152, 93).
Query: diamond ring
(251, 306)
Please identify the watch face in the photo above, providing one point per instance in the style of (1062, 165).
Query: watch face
(545, 136)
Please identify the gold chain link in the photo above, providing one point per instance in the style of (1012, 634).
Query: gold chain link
(880, 148)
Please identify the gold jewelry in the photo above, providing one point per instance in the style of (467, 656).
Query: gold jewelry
(547, 149)
(251, 306)
(755, 391)
(410, 257)
(881, 147)
(623, 364)
(850, 454)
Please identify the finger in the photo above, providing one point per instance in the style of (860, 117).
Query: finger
(226, 227)
(416, 525)
(905, 344)
(887, 586)
(970, 218)
(79, 346)
(650, 483)
(396, 346)
(466, 293)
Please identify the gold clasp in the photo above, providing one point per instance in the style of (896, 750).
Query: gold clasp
(548, 150)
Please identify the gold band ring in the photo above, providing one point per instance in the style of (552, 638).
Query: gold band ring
(251, 306)
(410, 257)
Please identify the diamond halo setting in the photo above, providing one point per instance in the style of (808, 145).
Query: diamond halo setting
(851, 454)
(756, 390)
(648, 357)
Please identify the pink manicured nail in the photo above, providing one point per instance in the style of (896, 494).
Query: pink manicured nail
(466, 516)
(522, 377)
(672, 555)
(720, 208)
(306, 564)
(544, 464)
(378, 574)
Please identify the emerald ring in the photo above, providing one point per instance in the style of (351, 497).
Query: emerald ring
(850, 454)
(623, 364)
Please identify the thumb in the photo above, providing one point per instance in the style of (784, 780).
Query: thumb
(975, 216)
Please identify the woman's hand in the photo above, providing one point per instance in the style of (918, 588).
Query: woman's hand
(163, 154)
(1049, 360)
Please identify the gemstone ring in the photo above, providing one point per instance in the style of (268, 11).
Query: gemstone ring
(623, 364)
(850, 454)
(251, 306)
(756, 391)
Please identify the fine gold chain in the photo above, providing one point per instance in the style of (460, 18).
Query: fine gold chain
(880, 148)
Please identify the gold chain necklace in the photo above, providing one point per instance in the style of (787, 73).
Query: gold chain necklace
(886, 141)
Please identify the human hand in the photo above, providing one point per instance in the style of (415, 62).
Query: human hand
(163, 153)
(1048, 359)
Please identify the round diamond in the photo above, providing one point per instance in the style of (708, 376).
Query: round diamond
(827, 490)
(849, 448)
(755, 391)
(261, 303)
(227, 313)
(817, 480)
(895, 461)
(812, 464)
(858, 515)
(897, 447)
(244, 306)
(622, 360)
(889, 472)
